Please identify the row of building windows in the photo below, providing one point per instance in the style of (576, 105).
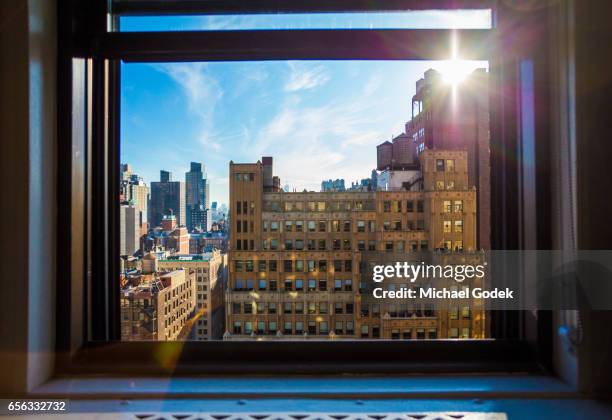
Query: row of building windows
(244, 177)
(245, 207)
(342, 244)
(339, 285)
(441, 185)
(321, 206)
(290, 328)
(447, 226)
(289, 308)
(290, 266)
(395, 206)
(445, 165)
(335, 206)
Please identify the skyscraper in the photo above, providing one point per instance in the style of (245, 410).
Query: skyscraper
(129, 230)
(167, 197)
(447, 117)
(133, 196)
(197, 196)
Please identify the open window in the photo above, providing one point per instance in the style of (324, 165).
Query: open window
(278, 277)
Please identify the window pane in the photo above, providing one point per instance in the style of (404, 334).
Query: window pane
(430, 19)
(255, 197)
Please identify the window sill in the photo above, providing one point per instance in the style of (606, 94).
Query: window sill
(351, 387)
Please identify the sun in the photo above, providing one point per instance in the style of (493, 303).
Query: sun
(455, 71)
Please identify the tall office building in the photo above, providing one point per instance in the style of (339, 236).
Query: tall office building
(197, 197)
(129, 229)
(167, 197)
(133, 196)
(298, 260)
(448, 117)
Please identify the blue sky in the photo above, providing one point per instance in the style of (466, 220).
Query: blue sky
(319, 120)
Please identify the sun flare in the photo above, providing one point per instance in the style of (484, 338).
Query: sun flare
(455, 71)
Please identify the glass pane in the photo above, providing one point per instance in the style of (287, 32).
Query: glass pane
(430, 19)
(257, 198)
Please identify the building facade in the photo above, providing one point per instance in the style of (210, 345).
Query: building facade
(167, 197)
(129, 229)
(197, 198)
(210, 277)
(447, 117)
(158, 306)
(298, 261)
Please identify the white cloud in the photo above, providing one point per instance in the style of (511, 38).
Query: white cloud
(202, 90)
(304, 76)
(310, 144)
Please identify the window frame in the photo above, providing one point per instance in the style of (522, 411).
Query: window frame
(92, 55)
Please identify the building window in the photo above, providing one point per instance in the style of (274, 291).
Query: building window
(347, 226)
(312, 226)
(459, 226)
(387, 206)
(458, 206)
(439, 165)
(272, 266)
(450, 165)
(439, 185)
(365, 331)
(299, 328)
(288, 225)
(299, 285)
(420, 206)
(450, 185)
(287, 307)
(322, 226)
(446, 206)
(361, 226)
(262, 285)
(446, 226)
(323, 285)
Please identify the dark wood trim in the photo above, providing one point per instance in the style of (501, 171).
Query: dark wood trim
(345, 44)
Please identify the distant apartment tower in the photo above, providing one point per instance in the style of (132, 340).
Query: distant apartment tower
(167, 197)
(333, 185)
(129, 229)
(210, 276)
(296, 260)
(134, 191)
(158, 306)
(197, 199)
(447, 117)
